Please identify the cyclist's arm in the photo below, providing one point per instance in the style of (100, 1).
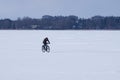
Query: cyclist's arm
(48, 41)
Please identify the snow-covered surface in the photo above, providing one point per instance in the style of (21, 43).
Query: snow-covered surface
(75, 55)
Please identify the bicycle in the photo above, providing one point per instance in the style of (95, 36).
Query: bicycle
(45, 48)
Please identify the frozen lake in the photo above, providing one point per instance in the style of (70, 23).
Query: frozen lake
(75, 55)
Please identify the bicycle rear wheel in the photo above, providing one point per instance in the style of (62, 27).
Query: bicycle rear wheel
(43, 48)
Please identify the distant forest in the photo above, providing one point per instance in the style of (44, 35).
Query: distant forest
(71, 22)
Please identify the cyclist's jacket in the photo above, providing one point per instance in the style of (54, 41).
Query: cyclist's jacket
(46, 41)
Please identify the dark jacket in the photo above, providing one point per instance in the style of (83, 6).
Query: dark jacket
(46, 41)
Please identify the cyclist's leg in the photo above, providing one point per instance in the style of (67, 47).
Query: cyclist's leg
(45, 46)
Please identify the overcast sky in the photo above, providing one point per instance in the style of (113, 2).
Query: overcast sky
(37, 8)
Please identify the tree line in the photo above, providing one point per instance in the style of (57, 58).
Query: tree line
(71, 22)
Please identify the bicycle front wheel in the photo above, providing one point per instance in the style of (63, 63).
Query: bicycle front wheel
(48, 48)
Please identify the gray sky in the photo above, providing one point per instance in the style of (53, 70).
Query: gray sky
(37, 8)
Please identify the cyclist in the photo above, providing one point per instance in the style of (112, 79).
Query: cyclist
(45, 42)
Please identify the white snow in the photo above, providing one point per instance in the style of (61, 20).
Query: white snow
(75, 55)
